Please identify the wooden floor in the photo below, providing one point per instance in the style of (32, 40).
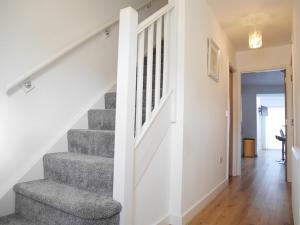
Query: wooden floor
(259, 197)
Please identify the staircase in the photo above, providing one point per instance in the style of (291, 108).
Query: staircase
(78, 184)
(107, 161)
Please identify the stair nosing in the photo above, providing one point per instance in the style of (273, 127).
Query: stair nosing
(52, 155)
(19, 190)
(91, 130)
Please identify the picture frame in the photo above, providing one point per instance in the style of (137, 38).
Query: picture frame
(213, 60)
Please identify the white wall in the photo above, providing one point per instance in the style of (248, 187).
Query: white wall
(296, 68)
(273, 100)
(296, 72)
(267, 139)
(264, 59)
(268, 59)
(7, 202)
(205, 125)
(32, 31)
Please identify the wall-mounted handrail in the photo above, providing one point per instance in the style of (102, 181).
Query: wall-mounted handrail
(27, 76)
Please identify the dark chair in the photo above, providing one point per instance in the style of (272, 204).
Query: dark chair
(282, 138)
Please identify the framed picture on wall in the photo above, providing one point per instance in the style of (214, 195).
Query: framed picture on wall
(213, 60)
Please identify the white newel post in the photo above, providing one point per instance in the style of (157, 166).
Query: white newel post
(125, 115)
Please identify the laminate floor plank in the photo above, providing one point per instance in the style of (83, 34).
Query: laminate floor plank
(259, 197)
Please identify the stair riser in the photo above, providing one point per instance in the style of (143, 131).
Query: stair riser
(96, 178)
(91, 143)
(43, 214)
(101, 119)
(110, 101)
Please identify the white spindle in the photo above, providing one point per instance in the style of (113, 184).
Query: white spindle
(166, 53)
(158, 61)
(149, 72)
(140, 80)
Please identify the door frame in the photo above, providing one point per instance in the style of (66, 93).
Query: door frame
(289, 106)
(230, 121)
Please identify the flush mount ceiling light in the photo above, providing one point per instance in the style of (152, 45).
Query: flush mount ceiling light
(255, 39)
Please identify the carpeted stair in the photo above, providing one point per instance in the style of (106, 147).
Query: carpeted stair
(78, 185)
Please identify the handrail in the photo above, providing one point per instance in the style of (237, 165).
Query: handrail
(27, 75)
(150, 20)
(11, 87)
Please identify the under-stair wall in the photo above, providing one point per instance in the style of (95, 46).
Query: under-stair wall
(36, 123)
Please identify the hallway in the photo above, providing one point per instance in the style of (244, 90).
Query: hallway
(259, 197)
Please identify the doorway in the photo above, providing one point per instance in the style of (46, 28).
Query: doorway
(263, 109)
(270, 120)
(230, 154)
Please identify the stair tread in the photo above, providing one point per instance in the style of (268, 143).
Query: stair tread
(100, 110)
(15, 219)
(93, 131)
(77, 202)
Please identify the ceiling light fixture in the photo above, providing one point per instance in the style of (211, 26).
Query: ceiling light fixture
(255, 39)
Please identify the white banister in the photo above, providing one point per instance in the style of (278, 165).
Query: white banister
(156, 25)
(296, 185)
(149, 72)
(142, 58)
(125, 115)
(166, 54)
(158, 61)
(140, 83)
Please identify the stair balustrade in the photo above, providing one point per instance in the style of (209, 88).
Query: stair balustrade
(143, 85)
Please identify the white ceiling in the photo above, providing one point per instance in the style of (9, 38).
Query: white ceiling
(273, 18)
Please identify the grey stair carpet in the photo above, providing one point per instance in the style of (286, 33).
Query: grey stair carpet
(78, 184)
(92, 142)
(91, 173)
(110, 100)
(102, 119)
(15, 220)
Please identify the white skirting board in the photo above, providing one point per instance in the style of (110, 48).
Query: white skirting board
(195, 209)
(163, 221)
(202, 203)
